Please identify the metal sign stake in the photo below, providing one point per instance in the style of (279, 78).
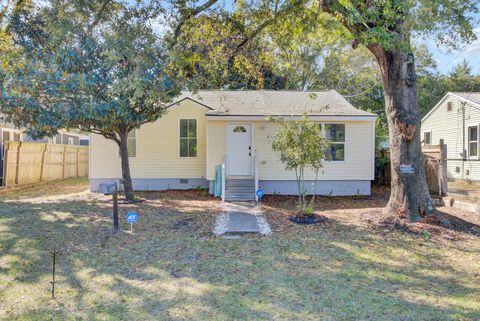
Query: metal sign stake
(54, 253)
(115, 210)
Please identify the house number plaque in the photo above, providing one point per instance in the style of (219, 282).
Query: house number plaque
(407, 169)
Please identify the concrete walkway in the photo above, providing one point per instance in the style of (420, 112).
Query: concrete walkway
(239, 218)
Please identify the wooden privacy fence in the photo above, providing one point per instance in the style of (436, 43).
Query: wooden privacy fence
(434, 157)
(28, 163)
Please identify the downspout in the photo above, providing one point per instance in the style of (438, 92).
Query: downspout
(464, 151)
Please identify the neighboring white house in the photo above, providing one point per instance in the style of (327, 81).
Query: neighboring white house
(456, 120)
(8, 132)
(200, 132)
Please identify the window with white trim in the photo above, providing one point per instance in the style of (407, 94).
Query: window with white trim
(473, 141)
(132, 143)
(427, 138)
(188, 137)
(6, 136)
(335, 133)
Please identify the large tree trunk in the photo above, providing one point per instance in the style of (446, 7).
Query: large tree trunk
(127, 179)
(409, 193)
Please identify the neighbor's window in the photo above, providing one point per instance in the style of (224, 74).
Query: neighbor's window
(335, 133)
(427, 138)
(132, 143)
(449, 106)
(473, 141)
(188, 138)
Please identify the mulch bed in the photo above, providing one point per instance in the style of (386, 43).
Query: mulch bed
(450, 224)
(367, 211)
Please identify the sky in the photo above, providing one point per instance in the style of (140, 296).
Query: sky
(446, 58)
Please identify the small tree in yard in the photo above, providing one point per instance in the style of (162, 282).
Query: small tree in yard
(301, 146)
(96, 67)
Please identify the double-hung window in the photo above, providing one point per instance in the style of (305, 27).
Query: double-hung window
(473, 141)
(6, 136)
(188, 138)
(427, 138)
(335, 133)
(132, 143)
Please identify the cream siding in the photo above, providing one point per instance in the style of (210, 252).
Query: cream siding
(216, 146)
(157, 149)
(358, 164)
(447, 125)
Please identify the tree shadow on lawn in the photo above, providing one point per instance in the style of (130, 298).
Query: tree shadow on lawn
(169, 271)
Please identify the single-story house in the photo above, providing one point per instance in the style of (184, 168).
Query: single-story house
(204, 131)
(455, 119)
(9, 132)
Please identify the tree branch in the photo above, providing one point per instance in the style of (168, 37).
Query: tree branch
(277, 13)
(99, 16)
(190, 14)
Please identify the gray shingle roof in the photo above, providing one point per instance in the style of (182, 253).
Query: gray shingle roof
(274, 103)
(475, 97)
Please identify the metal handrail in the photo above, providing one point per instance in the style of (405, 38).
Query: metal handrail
(255, 163)
(223, 178)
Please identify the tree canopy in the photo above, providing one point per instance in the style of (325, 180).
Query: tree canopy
(97, 66)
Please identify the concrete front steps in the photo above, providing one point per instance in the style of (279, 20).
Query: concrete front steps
(239, 190)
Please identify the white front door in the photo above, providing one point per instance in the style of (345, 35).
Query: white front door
(239, 150)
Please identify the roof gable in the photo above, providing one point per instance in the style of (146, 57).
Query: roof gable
(470, 97)
(179, 102)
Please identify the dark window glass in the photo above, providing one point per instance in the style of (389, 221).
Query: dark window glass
(473, 133)
(239, 129)
(131, 143)
(473, 141)
(335, 132)
(427, 138)
(6, 137)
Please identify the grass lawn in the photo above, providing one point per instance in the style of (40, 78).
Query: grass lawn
(172, 267)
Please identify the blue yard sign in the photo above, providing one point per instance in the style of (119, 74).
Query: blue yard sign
(132, 217)
(260, 193)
